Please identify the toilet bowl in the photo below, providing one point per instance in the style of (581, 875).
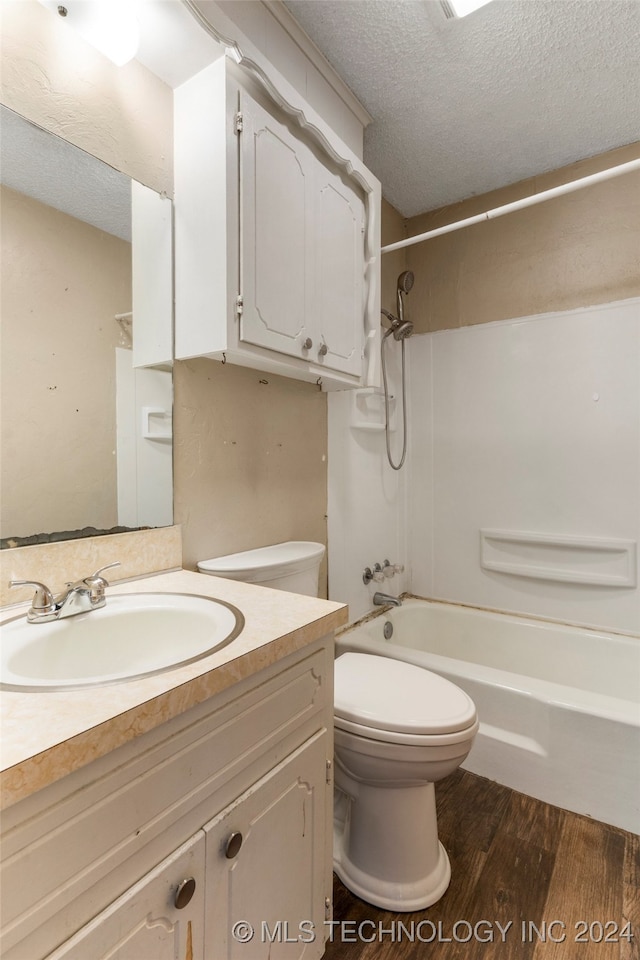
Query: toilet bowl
(292, 566)
(398, 730)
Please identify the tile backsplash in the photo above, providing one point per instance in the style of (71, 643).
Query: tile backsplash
(140, 552)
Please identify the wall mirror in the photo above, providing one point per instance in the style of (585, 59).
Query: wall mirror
(86, 436)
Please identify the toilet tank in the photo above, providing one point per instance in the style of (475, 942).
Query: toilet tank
(292, 566)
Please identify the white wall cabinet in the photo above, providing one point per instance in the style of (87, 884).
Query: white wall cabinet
(91, 865)
(275, 266)
(301, 249)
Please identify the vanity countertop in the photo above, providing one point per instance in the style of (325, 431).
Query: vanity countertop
(48, 735)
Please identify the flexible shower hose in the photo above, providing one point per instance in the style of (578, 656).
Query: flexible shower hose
(395, 466)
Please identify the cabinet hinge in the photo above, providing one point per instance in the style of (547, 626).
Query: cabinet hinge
(239, 305)
(329, 771)
(238, 120)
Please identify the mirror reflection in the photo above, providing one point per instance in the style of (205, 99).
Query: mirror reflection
(86, 438)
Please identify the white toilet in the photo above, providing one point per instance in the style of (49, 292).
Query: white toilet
(398, 729)
(292, 566)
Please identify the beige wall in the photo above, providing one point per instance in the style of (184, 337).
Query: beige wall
(250, 459)
(122, 115)
(393, 229)
(62, 282)
(579, 249)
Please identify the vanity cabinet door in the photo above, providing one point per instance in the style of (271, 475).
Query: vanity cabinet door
(266, 864)
(160, 917)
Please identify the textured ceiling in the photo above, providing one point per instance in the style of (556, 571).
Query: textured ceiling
(53, 171)
(461, 107)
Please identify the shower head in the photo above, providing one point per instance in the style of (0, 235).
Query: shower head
(405, 281)
(402, 330)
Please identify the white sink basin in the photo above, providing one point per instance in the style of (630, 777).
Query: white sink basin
(133, 636)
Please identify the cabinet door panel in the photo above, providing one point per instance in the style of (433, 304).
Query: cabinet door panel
(340, 272)
(144, 923)
(276, 197)
(275, 881)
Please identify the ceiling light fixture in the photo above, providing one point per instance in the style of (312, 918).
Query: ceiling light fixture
(460, 8)
(108, 25)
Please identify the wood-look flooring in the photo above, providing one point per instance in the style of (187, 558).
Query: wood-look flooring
(513, 859)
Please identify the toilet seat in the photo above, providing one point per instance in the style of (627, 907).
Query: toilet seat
(406, 739)
(396, 702)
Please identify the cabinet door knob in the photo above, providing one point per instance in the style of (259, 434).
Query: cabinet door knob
(184, 892)
(308, 343)
(233, 846)
(323, 350)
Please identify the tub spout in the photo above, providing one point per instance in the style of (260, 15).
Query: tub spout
(384, 599)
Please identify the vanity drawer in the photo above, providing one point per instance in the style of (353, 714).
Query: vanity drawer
(71, 849)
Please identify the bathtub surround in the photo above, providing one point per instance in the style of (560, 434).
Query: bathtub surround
(528, 426)
(577, 250)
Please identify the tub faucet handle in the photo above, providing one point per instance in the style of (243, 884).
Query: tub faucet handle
(375, 574)
(388, 569)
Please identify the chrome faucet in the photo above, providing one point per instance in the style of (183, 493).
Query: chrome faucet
(384, 599)
(79, 597)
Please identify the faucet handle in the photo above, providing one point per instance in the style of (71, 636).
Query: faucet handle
(43, 598)
(96, 575)
(97, 583)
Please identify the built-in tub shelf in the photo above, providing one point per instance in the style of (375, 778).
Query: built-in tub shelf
(367, 409)
(593, 561)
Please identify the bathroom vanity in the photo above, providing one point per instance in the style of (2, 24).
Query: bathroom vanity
(186, 814)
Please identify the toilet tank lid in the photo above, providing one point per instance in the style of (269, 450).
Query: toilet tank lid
(293, 553)
(387, 694)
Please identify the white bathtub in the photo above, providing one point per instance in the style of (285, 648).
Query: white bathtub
(559, 706)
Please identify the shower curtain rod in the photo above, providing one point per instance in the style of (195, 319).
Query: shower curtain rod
(518, 204)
